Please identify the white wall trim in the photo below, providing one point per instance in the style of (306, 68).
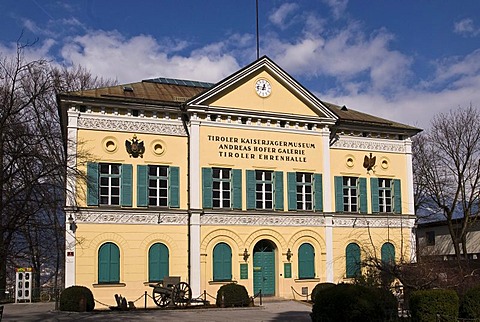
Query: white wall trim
(410, 193)
(329, 251)
(369, 144)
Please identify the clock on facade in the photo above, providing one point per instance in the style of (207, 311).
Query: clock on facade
(263, 87)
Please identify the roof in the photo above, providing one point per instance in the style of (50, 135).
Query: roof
(177, 91)
(154, 90)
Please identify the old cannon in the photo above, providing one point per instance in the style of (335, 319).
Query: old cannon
(171, 290)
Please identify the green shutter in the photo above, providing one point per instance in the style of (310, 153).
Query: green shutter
(306, 261)
(292, 190)
(353, 263)
(374, 191)
(114, 264)
(338, 194)
(157, 262)
(237, 188)
(207, 186)
(174, 187)
(278, 190)
(250, 176)
(388, 254)
(287, 270)
(243, 271)
(318, 186)
(397, 196)
(363, 195)
(108, 263)
(222, 262)
(142, 185)
(127, 183)
(92, 184)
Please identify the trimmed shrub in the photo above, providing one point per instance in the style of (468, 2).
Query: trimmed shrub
(425, 305)
(319, 287)
(351, 302)
(470, 304)
(77, 299)
(233, 295)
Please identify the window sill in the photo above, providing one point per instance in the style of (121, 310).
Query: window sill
(301, 280)
(221, 282)
(100, 285)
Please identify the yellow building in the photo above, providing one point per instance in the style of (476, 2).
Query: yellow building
(252, 180)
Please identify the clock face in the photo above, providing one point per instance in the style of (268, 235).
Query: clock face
(263, 87)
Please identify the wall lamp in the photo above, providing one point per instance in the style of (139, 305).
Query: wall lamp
(246, 255)
(289, 254)
(71, 222)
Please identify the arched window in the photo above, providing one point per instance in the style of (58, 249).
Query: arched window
(353, 261)
(306, 261)
(222, 262)
(157, 262)
(109, 263)
(388, 254)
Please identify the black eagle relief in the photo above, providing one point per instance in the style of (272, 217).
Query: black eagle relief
(135, 148)
(369, 162)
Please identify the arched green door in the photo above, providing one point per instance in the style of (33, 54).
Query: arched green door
(264, 268)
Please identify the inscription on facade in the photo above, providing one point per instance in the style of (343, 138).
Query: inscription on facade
(261, 149)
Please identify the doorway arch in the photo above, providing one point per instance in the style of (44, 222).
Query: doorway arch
(264, 267)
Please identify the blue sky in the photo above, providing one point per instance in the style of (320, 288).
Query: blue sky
(403, 60)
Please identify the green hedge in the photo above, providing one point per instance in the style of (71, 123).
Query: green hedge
(319, 287)
(232, 295)
(77, 299)
(470, 304)
(425, 305)
(354, 303)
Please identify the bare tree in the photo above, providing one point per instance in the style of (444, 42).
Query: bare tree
(447, 171)
(33, 165)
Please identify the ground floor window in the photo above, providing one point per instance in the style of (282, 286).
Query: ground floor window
(222, 262)
(157, 262)
(306, 261)
(109, 263)
(353, 261)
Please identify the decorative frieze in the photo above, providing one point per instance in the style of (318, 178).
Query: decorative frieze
(369, 144)
(97, 123)
(99, 217)
(371, 222)
(262, 220)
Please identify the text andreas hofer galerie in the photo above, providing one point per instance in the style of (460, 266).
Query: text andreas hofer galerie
(261, 149)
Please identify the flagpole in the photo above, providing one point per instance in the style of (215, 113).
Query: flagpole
(258, 44)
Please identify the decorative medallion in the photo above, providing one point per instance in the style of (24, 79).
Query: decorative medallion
(135, 147)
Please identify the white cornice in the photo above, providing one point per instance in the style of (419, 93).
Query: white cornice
(131, 124)
(128, 217)
(369, 144)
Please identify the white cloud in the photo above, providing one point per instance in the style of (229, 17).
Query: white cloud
(280, 15)
(466, 28)
(338, 7)
(111, 55)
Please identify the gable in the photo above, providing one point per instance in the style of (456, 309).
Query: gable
(287, 97)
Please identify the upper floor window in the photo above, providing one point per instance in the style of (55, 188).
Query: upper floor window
(109, 184)
(386, 195)
(263, 189)
(157, 186)
(304, 191)
(350, 194)
(222, 188)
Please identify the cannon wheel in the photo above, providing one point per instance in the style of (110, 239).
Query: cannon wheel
(161, 299)
(181, 294)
